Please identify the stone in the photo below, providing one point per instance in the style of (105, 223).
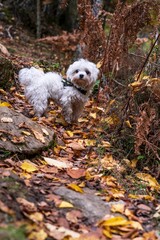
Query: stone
(19, 134)
(91, 205)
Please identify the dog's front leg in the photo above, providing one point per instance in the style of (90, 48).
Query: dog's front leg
(77, 111)
(67, 113)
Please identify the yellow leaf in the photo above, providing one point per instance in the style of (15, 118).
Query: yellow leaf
(107, 233)
(69, 133)
(119, 207)
(81, 120)
(135, 84)
(28, 166)
(75, 187)
(93, 115)
(109, 105)
(108, 162)
(117, 193)
(112, 120)
(128, 124)
(88, 176)
(115, 221)
(99, 64)
(136, 225)
(148, 178)
(104, 144)
(146, 197)
(5, 104)
(90, 142)
(25, 175)
(40, 235)
(2, 92)
(65, 204)
(36, 217)
(26, 133)
(133, 163)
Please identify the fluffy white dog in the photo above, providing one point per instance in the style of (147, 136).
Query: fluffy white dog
(71, 94)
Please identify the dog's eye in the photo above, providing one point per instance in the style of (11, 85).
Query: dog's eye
(88, 72)
(77, 71)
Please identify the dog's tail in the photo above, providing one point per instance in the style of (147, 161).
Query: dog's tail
(28, 76)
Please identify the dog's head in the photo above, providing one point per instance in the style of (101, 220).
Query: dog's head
(83, 74)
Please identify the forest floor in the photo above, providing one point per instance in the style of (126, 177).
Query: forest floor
(83, 187)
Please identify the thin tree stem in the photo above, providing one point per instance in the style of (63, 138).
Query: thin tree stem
(145, 62)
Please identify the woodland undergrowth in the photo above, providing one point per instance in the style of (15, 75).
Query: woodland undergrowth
(116, 43)
(136, 105)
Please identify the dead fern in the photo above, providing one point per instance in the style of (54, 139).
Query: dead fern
(93, 37)
(126, 23)
(147, 134)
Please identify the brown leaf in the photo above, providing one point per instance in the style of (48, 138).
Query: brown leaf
(76, 146)
(76, 172)
(26, 205)
(73, 216)
(5, 208)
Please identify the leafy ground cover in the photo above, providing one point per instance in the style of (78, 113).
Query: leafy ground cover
(85, 157)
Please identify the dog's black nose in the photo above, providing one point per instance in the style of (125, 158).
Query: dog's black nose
(81, 75)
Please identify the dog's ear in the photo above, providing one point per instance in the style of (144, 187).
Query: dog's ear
(94, 72)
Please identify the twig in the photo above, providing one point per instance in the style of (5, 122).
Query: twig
(145, 62)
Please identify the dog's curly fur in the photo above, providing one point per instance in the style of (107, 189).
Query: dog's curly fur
(39, 87)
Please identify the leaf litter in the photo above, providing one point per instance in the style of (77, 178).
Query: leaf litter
(83, 158)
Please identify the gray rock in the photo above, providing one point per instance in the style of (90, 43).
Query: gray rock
(91, 205)
(19, 134)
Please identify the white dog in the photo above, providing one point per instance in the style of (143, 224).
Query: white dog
(70, 94)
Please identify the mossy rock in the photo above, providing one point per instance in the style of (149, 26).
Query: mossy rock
(6, 73)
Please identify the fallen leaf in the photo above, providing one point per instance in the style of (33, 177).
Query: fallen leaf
(57, 163)
(60, 232)
(107, 233)
(18, 140)
(104, 144)
(4, 50)
(2, 92)
(65, 204)
(148, 178)
(93, 115)
(39, 136)
(5, 208)
(75, 187)
(136, 225)
(146, 197)
(26, 133)
(76, 172)
(128, 124)
(29, 166)
(26, 205)
(76, 146)
(6, 120)
(36, 217)
(5, 104)
(38, 235)
(119, 207)
(69, 133)
(73, 216)
(90, 142)
(114, 221)
(45, 131)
